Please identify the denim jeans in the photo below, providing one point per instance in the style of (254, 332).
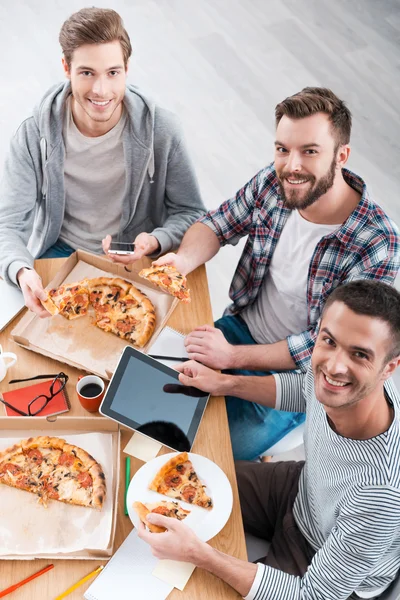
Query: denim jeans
(254, 428)
(58, 250)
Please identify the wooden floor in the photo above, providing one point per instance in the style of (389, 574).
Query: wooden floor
(223, 65)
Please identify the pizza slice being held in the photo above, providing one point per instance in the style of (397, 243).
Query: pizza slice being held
(54, 470)
(70, 300)
(167, 509)
(169, 279)
(178, 479)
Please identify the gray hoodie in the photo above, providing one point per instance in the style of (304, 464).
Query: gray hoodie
(162, 196)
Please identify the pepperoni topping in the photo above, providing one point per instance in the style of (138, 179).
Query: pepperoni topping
(36, 456)
(85, 479)
(188, 493)
(22, 482)
(166, 280)
(102, 308)
(94, 297)
(56, 291)
(80, 299)
(13, 469)
(173, 480)
(66, 459)
(126, 325)
(161, 510)
(52, 493)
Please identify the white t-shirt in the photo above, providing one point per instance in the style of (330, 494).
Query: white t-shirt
(94, 179)
(280, 308)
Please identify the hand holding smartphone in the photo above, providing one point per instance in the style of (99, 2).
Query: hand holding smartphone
(121, 248)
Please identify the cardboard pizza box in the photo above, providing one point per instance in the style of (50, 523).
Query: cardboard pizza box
(79, 342)
(24, 427)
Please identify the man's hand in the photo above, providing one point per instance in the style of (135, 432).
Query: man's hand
(177, 543)
(208, 345)
(32, 288)
(144, 244)
(175, 260)
(203, 378)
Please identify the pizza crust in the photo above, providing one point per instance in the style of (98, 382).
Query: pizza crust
(143, 511)
(49, 305)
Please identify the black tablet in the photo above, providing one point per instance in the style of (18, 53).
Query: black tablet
(146, 396)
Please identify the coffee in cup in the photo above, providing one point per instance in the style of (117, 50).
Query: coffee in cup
(90, 390)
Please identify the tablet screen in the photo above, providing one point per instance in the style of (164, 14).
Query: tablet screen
(147, 396)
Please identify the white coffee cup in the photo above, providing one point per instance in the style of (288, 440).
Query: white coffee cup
(3, 362)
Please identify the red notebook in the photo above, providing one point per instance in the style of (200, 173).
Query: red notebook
(21, 398)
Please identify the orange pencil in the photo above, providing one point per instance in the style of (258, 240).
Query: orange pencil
(14, 587)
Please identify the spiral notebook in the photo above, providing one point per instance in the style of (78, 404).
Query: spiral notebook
(128, 574)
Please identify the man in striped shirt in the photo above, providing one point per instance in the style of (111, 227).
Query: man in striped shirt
(311, 225)
(333, 522)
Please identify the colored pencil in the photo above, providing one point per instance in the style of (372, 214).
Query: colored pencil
(127, 480)
(14, 587)
(80, 582)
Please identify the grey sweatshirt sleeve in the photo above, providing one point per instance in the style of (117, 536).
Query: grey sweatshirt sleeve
(18, 195)
(182, 199)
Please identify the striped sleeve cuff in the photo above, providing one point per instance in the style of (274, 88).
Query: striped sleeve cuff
(271, 584)
(289, 392)
(256, 582)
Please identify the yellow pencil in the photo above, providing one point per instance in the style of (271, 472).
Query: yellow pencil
(80, 582)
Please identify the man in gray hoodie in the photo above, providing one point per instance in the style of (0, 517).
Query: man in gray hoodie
(97, 160)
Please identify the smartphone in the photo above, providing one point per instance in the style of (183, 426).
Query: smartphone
(121, 248)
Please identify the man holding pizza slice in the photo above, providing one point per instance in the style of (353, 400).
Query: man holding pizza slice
(311, 225)
(97, 159)
(333, 522)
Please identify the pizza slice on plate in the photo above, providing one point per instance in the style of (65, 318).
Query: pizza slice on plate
(54, 470)
(169, 279)
(178, 479)
(167, 509)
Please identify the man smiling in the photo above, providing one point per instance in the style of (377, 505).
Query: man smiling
(97, 159)
(310, 225)
(333, 521)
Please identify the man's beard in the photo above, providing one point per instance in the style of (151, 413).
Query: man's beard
(318, 188)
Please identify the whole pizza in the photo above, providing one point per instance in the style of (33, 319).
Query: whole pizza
(54, 470)
(119, 307)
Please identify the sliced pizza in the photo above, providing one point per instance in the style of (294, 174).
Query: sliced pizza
(167, 509)
(54, 470)
(169, 279)
(119, 307)
(70, 300)
(178, 479)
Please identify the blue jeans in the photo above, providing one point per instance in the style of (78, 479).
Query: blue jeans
(58, 250)
(254, 428)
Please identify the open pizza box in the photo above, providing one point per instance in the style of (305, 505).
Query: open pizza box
(25, 526)
(79, 342)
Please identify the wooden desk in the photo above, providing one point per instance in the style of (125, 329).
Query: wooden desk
(213, 441)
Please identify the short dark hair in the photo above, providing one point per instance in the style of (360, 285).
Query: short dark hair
(372, 299)
(93, 26)
(313, 100)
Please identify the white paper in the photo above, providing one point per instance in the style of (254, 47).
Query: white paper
(27, 527)
(142, 447)
(174, 572)
(129, 574)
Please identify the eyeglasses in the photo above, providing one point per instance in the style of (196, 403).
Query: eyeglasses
(38, 403)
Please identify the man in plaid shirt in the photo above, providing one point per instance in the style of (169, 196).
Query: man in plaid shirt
(310, 225)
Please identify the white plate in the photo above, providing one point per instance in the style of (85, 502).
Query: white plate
(205, 523)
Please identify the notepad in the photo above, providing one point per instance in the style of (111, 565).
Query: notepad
(169, 343)
(129, 574)
(20, 399)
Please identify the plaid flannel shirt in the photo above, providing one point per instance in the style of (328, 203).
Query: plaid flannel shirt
(366, 246)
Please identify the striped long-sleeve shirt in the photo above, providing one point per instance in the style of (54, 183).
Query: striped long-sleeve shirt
(347, 506)
(366, 246)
